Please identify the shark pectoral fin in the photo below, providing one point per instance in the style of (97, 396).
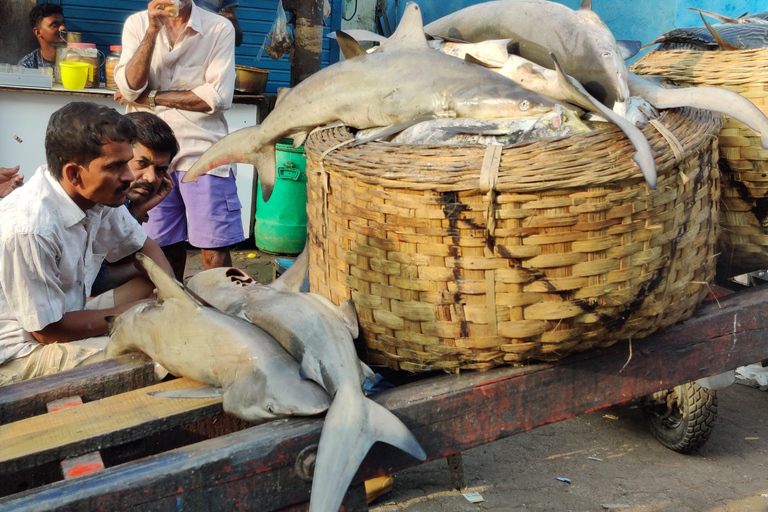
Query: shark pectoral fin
(310, 369)
(349, 47)
(348, 316)
(196, 392)
(471, 59)
(367, 372)
(234, 148)
(628, 48)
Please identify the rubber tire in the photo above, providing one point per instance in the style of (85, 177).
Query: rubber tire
(688, 424)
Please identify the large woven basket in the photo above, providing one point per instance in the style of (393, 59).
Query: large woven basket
(743, 241)
(579, 252)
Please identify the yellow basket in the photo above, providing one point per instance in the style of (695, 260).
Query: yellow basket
(579, 252)
(743, 241)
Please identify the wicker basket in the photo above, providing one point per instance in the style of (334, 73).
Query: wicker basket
(743, 241)
(579, 253)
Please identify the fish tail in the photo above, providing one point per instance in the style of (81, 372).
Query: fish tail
(353, 424)
(242, 146)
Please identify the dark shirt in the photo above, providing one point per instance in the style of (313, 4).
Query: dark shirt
(35, 60)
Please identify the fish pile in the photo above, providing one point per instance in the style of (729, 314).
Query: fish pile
(742, 33)
(534, 81)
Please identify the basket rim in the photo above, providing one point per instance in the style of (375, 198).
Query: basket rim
(596, 158)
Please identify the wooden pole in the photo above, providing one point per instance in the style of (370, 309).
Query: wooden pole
(307, 19)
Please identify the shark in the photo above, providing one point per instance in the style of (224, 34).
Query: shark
(256, 378)
(404, 80)
(320, 335)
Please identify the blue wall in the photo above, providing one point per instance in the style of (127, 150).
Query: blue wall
(639, 20)
(101, 22)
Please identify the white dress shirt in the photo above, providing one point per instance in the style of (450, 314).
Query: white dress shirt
(201, 60)
(50, 253)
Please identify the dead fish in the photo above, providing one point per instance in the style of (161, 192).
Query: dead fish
(259, 380)
(319, 334)
(579, 39)
(735, 36)
(492, 53)
(405, 79)
(716, 99)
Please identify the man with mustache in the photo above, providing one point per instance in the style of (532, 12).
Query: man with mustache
(153, 150)
(56, 231)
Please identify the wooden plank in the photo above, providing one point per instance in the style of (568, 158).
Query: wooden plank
(95, 425)
(91, 382)
(254, 469)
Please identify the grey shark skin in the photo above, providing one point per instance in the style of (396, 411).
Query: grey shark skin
(259, 379)
(404, 80)
(716, 99)
(579, 39)
(319, 334)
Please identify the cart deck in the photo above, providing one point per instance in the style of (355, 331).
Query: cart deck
(261, 467)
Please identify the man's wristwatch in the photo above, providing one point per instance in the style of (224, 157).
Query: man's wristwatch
(151, 98)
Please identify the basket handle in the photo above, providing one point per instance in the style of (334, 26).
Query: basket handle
(489, 175)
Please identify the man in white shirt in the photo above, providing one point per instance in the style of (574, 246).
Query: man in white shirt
(183, 69)
(54, 234)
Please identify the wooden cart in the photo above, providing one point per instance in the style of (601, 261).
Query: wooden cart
(163, 455)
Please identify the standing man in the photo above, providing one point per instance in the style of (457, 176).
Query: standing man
(47, 22)
(183, 69)
(55, 232)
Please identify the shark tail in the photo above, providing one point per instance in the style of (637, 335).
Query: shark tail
(242, 146)
(353, 424)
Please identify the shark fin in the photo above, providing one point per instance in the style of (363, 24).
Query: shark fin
(360, 35)
(348, 315)
(721, 43)
(410, 31)
(196, 392)
(393, 130)
(292, 279)
(586, 5)
(471, 59)
(281, 92)
(298, 139)
(628, 48)
(111, 322)
(718, 17)
(167, 286)
(349, 47)
(367, 372)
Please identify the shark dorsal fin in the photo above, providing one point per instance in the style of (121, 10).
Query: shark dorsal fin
(167, 286)
(586, 5)
(409, 33)
(722, 43)
(292, 279)
(348, 315)
(628, 48)
(348, 45)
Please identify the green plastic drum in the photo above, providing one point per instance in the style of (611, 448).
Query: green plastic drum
(281, 222)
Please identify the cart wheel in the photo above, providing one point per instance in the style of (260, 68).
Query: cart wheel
(682, 418)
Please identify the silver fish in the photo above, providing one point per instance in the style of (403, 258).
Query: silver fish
(404, 80)
(716, 99)
(259, 379)
(320, 335)
(582, 43)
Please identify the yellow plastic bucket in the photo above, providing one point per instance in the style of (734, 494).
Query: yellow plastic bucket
(74, 75)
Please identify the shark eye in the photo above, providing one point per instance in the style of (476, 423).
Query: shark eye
(525, 105)
(607, 54)
(271, 409)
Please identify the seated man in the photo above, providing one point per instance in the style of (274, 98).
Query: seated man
(154, 148)
(54, 234)
(47, 22)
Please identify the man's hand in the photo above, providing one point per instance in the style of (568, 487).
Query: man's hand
(157, 14)
(10, 180)
(141, 101)
(140, 208)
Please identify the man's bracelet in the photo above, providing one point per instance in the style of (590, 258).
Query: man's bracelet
(141, 219)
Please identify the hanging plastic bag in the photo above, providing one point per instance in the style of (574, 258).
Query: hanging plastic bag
(279, 40)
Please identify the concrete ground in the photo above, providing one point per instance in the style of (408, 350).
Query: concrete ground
(610, 457)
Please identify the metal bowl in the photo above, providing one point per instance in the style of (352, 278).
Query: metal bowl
(250, 80)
